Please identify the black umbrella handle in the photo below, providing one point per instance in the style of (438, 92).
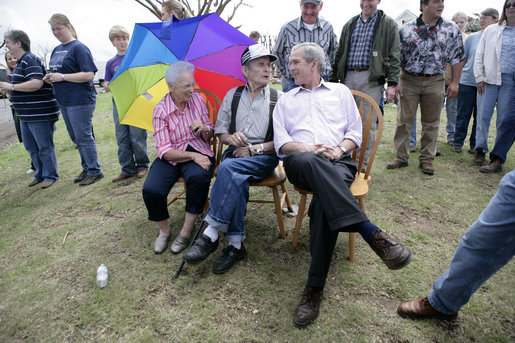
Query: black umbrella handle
(195, 236)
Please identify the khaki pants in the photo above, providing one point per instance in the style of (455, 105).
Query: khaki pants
(359, 81)
(428, 91)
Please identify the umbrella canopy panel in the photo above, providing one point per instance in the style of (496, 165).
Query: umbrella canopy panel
(208, 42)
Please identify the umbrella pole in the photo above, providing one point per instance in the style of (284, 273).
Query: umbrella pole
(195, 236)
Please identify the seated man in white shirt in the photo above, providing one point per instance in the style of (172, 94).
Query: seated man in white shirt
(316, 126)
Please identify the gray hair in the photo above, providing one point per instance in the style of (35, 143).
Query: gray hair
(176, 70)
(16, 36)
(310, 51)
(491, 12)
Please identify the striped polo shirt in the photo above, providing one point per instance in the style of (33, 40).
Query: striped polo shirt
(32, 106)
(172, 127)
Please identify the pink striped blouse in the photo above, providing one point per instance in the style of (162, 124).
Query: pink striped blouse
(172, 127)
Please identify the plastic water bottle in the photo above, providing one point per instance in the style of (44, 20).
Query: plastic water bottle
(102, 276)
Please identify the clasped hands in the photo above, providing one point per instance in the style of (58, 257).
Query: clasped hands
(327, 151)
(241, 141)
(53, 77)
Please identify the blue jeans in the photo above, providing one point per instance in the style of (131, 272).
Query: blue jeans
(38, 139)
(492, 95)
(132, 146)
(230, 192)
(79, 123)
(467, 107)
(487, 246)
(505, 133)
(451, 110)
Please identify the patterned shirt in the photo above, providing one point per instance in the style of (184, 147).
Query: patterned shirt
(361, 43)
(252, 117)
(326, 114)
(37, 105)
(427, 49)
(296, 32)
(172, 127)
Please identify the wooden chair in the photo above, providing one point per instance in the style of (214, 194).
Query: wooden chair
(273, 181)
(359, 187)
(213, 104)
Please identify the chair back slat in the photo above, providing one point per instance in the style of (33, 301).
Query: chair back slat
(360, 98)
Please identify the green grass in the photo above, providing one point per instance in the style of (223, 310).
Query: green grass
(48, 290)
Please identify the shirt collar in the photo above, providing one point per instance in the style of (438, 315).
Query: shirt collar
(372, 17)
(300, 24)
(174, 108)
(420, 22)
(322, 84)
(262, 91)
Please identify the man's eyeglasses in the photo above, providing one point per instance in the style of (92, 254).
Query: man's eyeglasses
(509, 5)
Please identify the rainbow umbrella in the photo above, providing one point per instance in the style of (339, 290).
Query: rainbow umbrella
(207, 41)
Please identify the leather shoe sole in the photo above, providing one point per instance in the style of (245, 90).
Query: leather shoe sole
(230, 255)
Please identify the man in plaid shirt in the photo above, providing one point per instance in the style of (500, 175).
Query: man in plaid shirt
(306, 28)
(428, 44)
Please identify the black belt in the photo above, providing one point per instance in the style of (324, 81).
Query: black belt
(419, 74)
(357, 69)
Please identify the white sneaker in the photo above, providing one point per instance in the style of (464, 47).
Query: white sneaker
(30, 171)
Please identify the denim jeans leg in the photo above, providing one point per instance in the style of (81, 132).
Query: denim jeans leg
(81, 119)
(413, 134)
(230, 192)
(287, 84)
(504, 98)
(487, 246)
(451, 109)
(488, 100)
(125, 156)
(138, 138)
(40, 140)
(466, 106)
(505, 132)
(31, 145)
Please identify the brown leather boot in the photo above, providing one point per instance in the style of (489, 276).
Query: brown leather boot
(393, 254)
(396, 164)
(493, 167)
(421, 308)
(307, 310)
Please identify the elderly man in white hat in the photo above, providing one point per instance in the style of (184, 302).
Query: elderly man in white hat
(245, 124)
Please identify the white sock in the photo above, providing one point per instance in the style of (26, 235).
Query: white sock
(235, 244)
(211, 233)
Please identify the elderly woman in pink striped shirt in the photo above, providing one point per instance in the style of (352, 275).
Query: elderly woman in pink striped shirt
(182, 130)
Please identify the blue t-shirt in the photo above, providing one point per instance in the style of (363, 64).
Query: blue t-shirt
(112, 66)
(72, 58)
(37, 105)
(467, 74)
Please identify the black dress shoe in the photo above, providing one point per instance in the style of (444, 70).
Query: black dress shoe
(307, 310)
(393, 254)
(230, 255)
(200, 249)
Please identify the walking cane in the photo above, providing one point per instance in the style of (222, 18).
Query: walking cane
(195, 236)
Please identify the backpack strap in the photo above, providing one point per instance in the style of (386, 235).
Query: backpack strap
(234, 108)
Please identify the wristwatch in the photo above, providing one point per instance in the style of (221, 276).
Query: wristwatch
(344, 150)
(261, 149)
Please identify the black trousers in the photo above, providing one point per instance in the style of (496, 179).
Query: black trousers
(161, 178)
(333, 208)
